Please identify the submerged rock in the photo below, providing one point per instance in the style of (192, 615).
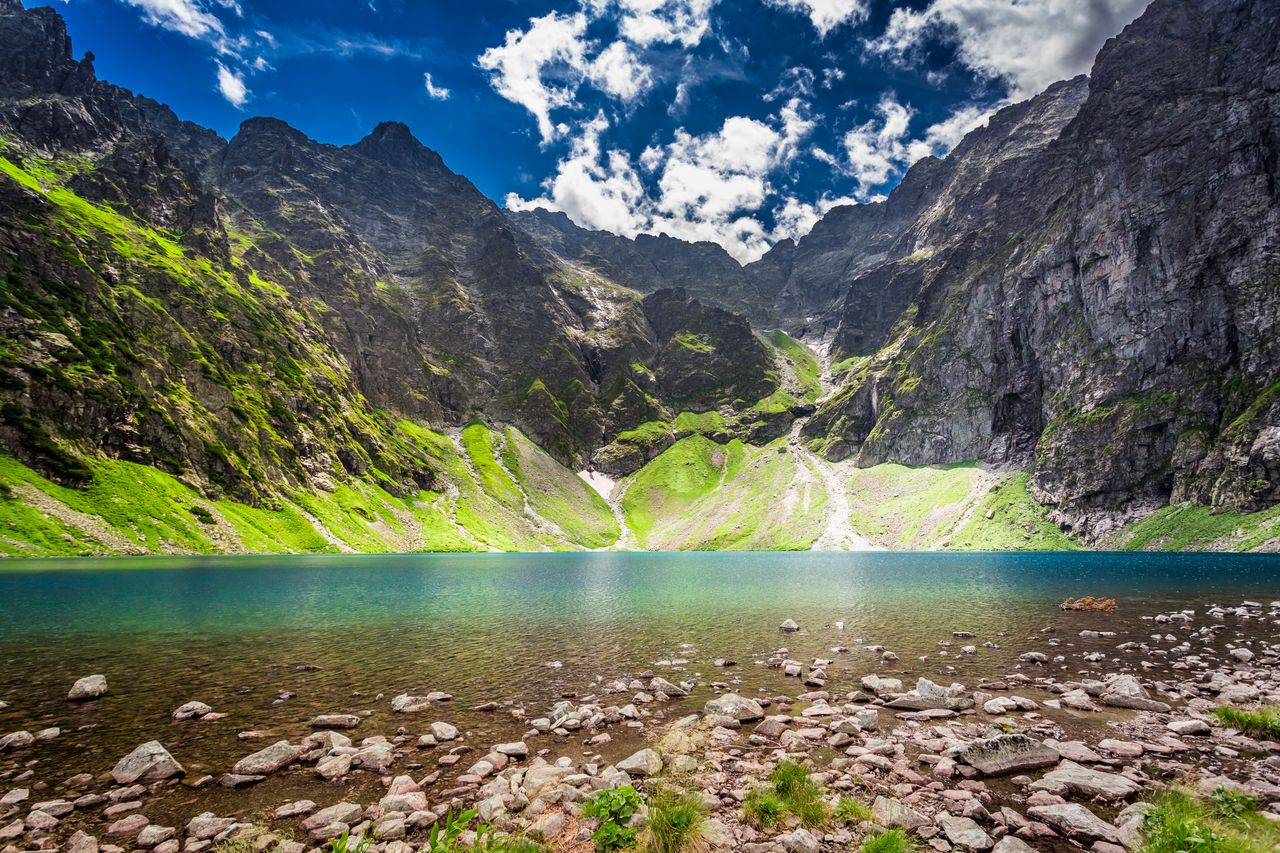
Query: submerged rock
(150, 762)
(89, 687)
(280, 754)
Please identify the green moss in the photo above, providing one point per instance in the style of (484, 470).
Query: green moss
(701, 423)
(692, 342)
(689, 469)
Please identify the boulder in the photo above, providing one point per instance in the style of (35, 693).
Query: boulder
(344, 813)
(444, 732)
(789, 626)
(16, 740)
(1005, 754)
(191, 710)
(891, 813)
(150, 762)
(335, 721)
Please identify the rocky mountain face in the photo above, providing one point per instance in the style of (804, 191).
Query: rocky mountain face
(1101, 306)
(1087, 289)
(268, 308)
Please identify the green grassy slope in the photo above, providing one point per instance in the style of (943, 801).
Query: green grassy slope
(957, 507)
(700, 495)
(128, 508)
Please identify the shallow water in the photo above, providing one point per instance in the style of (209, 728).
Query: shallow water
(233, 632)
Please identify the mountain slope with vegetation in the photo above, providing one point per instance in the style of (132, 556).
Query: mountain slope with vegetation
(1061, 335)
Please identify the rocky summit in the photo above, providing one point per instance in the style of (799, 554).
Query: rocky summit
(1063, 334)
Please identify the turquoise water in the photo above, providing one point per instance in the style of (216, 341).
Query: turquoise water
(233, 632)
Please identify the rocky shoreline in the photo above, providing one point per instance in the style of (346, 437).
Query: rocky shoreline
(1061, 753)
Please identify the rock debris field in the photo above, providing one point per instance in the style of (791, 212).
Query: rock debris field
(1061, 753)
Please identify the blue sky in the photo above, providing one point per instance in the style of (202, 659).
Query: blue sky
(737, 121)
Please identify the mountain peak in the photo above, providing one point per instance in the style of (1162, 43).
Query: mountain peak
(11, 7)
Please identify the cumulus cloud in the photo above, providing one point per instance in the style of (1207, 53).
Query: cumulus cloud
(648, 22)
(187, 17)
(711, 186)
(437, 93)
(1027, 44)
(826, 15)
(231, 85)
(617, 72)
(882, 148)
(519, 67)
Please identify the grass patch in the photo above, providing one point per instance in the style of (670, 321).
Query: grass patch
(558, 494)
(790, 792)
(676, 823)
(849, 810)
(889, 841)
(1264, 723)
(1181, 822)
(1186, 527)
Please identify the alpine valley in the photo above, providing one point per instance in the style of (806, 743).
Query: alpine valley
(1065, 334)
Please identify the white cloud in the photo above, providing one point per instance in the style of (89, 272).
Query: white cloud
(1028, 44)
(182, 16)
(795, 218)
(439, 93)
(231, 85)
(940, 138)
(826, 15)
(645, 23)
(617, 72)
(518, 66)
(882, 148)
(712, 186)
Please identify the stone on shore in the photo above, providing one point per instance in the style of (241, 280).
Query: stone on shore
(150, 762)
(1075, 821)
(341, 813)
(444, 732)
(646, 762)
(894, 813)
(16, 740)
(965, 833)
(207, 825)
(732, 705)
(1071, 778)
(89, 687)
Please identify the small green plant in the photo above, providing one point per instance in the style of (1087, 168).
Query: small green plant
(889, 841)
(342, 844)
(614, 808)
(1228, 804)
(762, 808)
(1263, 723)
(676, 823)
(849, 810)
(446, 832)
